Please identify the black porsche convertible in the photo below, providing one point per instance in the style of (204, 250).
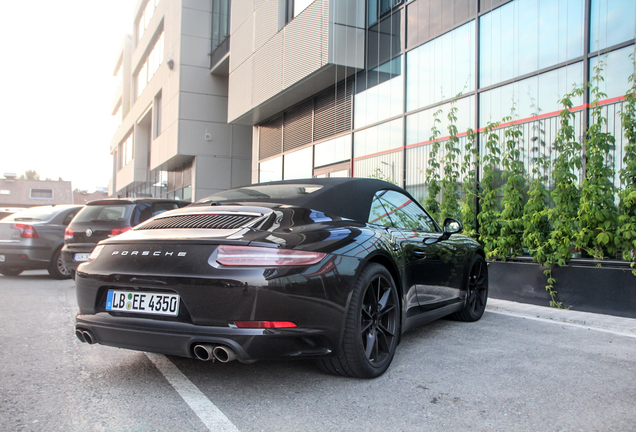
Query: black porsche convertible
(330, 269)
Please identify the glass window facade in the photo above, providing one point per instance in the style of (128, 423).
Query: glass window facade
(419, 125)
(612, 22)
(538, 95)
(299, 164)
(272, 170)
(150, 65)
(525, 36)
(381, 101)
(332, 151)
(125, 151)
(378, 152)
(146, 16)
(422, 54)
(617, 67)
(441, 68)
(220, 22)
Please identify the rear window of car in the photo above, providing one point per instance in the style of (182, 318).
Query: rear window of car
(34, 214)
(263, 192)
(105, 213)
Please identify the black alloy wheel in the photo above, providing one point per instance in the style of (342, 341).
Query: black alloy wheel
(476, 292)
(57, 269)
(372, 328)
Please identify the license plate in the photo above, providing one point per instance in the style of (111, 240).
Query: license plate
(1, 258)
(143, 302)
(81, 257)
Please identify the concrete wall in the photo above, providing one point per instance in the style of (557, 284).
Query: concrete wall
(18, 192)
(193, 105)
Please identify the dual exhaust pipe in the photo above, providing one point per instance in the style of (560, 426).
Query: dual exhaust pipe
(85, 336)
(221, 353)
(203, 352)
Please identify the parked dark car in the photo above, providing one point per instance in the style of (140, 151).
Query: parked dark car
(32, 239)
(332, 269)
(103, 219)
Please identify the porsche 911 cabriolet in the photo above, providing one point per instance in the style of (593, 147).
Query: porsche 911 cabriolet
(329, 269)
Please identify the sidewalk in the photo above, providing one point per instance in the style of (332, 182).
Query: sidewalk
(608, 323)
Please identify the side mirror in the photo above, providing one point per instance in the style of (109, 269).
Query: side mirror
(451, 226)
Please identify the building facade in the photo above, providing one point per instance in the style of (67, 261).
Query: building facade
(172, 138)
(220, 93)
(362, 87)
(20, 192)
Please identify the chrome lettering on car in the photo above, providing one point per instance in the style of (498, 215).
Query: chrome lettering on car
(149, 253)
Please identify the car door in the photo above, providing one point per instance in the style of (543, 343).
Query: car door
(429, 264)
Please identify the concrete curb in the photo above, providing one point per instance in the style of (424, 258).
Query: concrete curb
(608, 323)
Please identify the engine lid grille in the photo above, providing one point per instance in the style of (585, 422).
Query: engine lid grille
(201, 221)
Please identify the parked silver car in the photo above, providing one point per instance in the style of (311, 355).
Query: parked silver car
(33, 238)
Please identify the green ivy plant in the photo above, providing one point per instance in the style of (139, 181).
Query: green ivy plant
(536, 227)
(488, 216)
(626, 232)
(432, 172)
(379, 174)
(469, 167)
(450, 187)
(598, 214)
(565, 194)
(509, 241)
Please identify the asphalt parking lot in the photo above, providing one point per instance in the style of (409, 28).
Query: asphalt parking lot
(519, 368)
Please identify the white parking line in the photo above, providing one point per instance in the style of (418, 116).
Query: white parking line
(565, 323)
(209, 414)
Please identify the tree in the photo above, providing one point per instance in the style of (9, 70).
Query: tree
(31, 175)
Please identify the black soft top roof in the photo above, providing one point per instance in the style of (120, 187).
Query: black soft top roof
(345, 197)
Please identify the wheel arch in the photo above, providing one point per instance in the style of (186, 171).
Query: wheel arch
(388, 263)
(391, 267)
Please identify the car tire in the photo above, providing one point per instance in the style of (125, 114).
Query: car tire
(476, 292)
(57, 270)
(372, 327)
(11, 271)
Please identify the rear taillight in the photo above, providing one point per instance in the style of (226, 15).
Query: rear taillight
(116, 231)
(265, 257)
(26, 231)
(68, 234)
(96, 251)
(264, 324)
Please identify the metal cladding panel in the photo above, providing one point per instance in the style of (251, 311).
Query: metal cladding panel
(240, 87)
(304, 44)
(241, 11)
(270, 138)
(298, 126)
(242, 43)
(268, 70)
(333, 111)
(324, 29)
(266, 23)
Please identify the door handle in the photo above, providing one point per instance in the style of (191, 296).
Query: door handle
(419, 254)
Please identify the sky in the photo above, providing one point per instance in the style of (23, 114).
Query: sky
(57, 87)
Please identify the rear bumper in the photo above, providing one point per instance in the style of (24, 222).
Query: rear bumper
(179, 339)
(23, 258)
(69, 251)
